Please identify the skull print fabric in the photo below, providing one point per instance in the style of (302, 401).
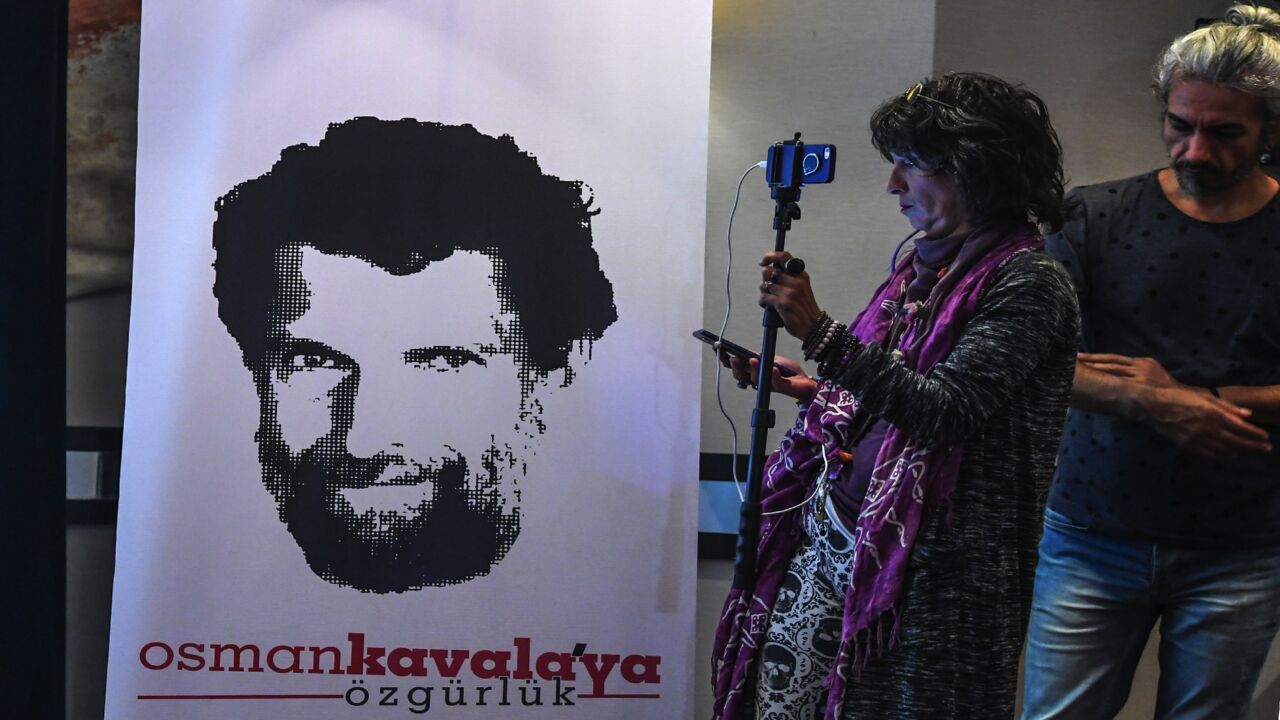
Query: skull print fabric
(804, 631)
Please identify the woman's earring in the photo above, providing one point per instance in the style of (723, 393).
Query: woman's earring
(1265, 158)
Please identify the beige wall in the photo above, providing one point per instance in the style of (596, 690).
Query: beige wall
(97, 339)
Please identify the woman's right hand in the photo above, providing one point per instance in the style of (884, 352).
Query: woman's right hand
(800, 386)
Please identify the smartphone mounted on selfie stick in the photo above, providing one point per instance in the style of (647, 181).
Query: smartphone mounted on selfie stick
(790, 165)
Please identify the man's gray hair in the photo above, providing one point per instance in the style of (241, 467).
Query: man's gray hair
(1242, 52)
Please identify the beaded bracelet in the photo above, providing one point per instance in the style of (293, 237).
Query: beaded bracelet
(816, 333)
(839, 353)
(821, 345)
(820, 337)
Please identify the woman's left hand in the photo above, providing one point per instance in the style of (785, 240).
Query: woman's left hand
(791, 295)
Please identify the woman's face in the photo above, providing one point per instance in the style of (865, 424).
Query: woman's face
(931, 200)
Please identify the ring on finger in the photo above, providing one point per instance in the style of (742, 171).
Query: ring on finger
(768, 286)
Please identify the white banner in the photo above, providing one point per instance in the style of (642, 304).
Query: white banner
(412, 422)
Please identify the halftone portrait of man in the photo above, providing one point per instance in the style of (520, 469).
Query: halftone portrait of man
(402, 292)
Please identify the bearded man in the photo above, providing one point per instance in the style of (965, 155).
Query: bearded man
(1165, 504)
(403, 293)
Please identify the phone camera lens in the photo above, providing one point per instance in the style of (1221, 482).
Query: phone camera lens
(811, 163)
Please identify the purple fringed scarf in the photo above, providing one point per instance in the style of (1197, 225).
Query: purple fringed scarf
(905, 481)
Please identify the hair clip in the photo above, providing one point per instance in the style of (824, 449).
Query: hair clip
(917, 91)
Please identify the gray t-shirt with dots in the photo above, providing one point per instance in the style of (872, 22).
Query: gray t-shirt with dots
(1204, 300)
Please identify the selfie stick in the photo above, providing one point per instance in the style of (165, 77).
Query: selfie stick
(785, 191)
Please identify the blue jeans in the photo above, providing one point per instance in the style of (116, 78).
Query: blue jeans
(1096, 600)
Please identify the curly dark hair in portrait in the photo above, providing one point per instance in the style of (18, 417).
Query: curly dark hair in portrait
(992, 136)
(400, 194)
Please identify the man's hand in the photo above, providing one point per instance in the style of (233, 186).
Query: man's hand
(1141, 389)
(1144, 370)
(1200, 422)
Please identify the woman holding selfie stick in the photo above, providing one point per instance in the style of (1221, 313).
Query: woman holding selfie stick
(902, 510)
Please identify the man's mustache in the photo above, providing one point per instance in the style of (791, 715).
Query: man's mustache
(341, 469)
(1196, 168)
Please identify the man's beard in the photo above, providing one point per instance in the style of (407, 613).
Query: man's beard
(459, 532)
(1201, 180)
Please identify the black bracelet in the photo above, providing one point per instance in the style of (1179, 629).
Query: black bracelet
(816, 331)
(838, 353)
(820, 336)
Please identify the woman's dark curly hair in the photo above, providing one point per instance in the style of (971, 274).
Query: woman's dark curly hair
(992, 136)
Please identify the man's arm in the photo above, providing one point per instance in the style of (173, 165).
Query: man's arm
(1140, 389)
(1193, 418)
(1263, 400)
